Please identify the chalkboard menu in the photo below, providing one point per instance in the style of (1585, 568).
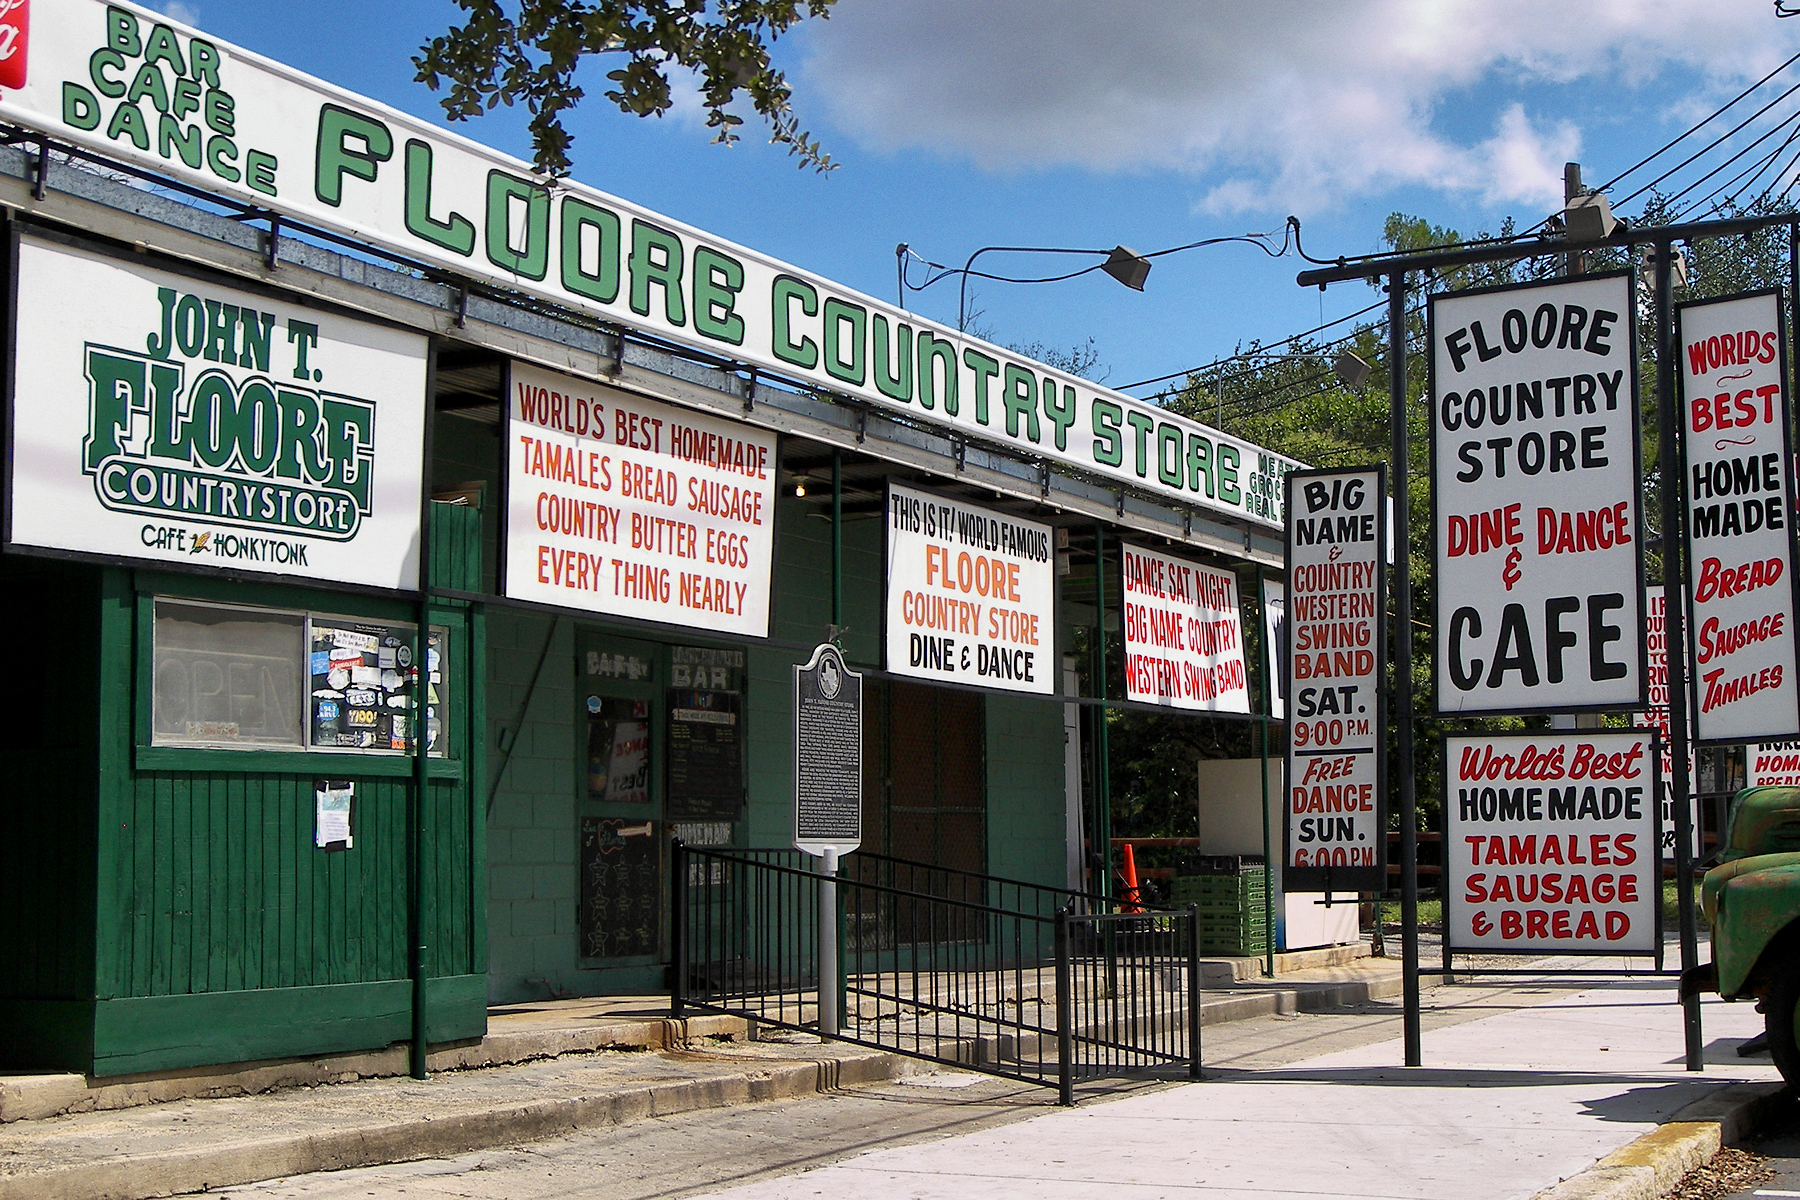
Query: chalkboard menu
(706, 755)
(827, 754)
(621, 888)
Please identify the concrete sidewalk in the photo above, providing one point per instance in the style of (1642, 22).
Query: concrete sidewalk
(156, 1137)
(1506, 1107)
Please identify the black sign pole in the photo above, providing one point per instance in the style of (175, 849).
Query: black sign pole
(1674, 640)
(1403, 671)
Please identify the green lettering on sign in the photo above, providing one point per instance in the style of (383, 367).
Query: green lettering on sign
(1019, 394)
(529, 256)
(80, 109)
(895, 385)
(985, 368)
(1063, 414)
(935, 353)
(337, 156)
(1199, 459)
(455, 233)
(718, 278)
(839, 316)
(656, 259)
(1142, 423)
(584, 224)
(787, 289)
(1228, 473)
(1108, 446)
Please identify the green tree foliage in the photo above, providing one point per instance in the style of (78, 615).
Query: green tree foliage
(531, 58)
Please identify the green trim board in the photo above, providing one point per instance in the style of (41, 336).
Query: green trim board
(164, 1033)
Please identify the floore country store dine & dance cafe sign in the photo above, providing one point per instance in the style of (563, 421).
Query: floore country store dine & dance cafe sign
(130, 84)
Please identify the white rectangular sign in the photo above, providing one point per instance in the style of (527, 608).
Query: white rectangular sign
(1550, 843)
(1772, 764)
(125, 82)
(165, 418)
(1184, 636)
(1536, 509)
(1336, 667)
(971, 594)
(1275, 627)
(1740, 531)
(622, 505)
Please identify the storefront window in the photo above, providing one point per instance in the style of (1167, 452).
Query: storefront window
(265, 679)
(618, 753)
(363, 685)
(227, 677)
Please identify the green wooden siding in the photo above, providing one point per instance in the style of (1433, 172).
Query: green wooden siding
(175, 909)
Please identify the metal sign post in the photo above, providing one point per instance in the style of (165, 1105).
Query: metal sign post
(827, 794)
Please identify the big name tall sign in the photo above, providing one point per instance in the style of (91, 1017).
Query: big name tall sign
(1536, 510)
(1336, 662)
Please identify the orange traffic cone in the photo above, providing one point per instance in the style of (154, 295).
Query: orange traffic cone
(1131, 895)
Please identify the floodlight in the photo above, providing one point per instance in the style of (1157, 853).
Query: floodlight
(1678, 272)
(1128, 267)
(1352, 371)
(1589, 218)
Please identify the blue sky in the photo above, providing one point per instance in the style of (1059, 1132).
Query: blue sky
(1151, 123)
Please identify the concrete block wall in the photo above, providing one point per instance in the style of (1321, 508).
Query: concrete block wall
(531, 823)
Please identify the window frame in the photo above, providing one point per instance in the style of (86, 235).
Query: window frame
(152, 753)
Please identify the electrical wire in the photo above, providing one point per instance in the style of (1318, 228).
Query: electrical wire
(1747, 177)
(1791, 119)
(1288, 340)
(1709, 146)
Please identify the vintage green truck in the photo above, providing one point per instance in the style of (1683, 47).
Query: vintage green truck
(1752, 901)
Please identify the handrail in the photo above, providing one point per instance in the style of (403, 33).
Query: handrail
(734, 856)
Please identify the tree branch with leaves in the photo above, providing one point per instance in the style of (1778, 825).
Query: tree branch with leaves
(531, 58)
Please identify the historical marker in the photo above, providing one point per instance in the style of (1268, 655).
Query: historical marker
(827, 754)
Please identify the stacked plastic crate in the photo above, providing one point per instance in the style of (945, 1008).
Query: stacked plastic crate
(1230, 893)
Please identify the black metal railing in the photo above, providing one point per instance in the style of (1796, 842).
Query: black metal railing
(1011, 978)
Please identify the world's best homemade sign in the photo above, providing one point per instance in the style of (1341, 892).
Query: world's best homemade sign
(164, 418)
(131, 84)
(618, 504)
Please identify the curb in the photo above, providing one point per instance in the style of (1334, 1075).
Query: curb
(27, 1097)
(1647, 1168)
(262, 1159)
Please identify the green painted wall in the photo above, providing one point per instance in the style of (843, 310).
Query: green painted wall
(185, 916)
(531, 814)
(1025, 789)
(532, 821)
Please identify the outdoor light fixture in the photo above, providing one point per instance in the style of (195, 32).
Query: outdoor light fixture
(1352, 371)
(1128, 267)
(1678, 272)
(799, 490)
(1589, 218)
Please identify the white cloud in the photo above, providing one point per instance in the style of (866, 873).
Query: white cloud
(187, 14)
(1272, 104)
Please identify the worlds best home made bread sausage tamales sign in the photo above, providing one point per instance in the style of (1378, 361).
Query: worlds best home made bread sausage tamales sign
(128, 83)
(1738, 470)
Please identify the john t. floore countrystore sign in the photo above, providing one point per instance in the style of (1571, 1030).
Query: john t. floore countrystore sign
(136, 86)
(161, 417)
